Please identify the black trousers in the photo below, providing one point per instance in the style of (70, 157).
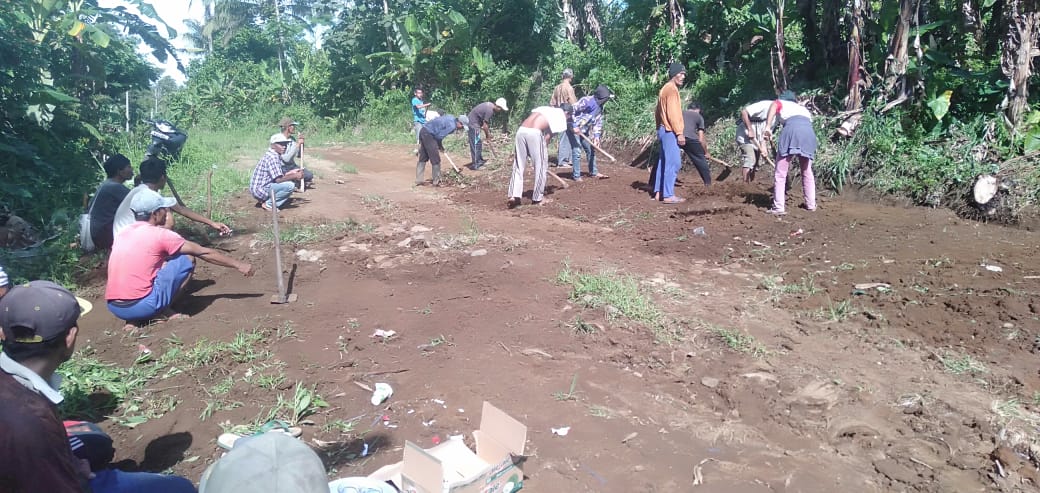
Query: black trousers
(695, 151)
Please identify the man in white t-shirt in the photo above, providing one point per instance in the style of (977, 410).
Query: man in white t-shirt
(750, 127)
(153, 177)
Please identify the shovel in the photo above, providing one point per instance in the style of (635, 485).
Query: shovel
(281, 298)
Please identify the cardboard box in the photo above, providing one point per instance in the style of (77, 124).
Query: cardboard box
(452, 467)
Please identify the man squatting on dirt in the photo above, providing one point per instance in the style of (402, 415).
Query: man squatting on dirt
(293, 149)
(268, 171)
(431, 139)
(797, 139)
(150, 265)
(532, 141)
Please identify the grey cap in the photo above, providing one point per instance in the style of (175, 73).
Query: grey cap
(464, 120)
(268, 463)
(568, 73)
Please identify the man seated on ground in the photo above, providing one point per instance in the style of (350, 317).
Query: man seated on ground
(532, 141)
(107, 199)
(268, 172)
(150, 265)
(480, 119)
(39, 321)
(293, 149)
(153, 178)
(431, 142)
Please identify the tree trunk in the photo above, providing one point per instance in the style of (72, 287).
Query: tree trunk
(817, 59)
(830, 32)
(1020, 46)
(899, 53)
(592, 23)
(780, 68)
(581, 18)
(858, 79)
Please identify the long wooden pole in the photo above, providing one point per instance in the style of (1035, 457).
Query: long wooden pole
(277, 245)
(303, 182)
(173, 189)
(598, 148)
(456, 168)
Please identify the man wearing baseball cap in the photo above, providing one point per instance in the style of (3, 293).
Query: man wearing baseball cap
(431, 143)
(480, 119)
(269, 171)
(150, 265)
(39, 321)
(293, 149)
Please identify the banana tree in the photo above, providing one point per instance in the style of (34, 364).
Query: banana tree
(422, 40)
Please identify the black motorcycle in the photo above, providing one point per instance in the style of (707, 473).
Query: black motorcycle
(167, 140)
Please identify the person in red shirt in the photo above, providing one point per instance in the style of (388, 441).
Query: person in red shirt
(150, 265)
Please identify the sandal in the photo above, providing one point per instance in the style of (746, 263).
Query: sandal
(601, 176)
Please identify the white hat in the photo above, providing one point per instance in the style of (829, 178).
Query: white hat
(147, 201)
(267, 463)
(501, 103)
(279, 138)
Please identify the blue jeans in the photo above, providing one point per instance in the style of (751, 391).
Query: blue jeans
(568, 147)
(476, 147)
(282, 191)
(576, 157)
(164, 288)
(668, 163)
(116, 481)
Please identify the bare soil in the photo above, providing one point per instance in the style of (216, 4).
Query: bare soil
(842, 389)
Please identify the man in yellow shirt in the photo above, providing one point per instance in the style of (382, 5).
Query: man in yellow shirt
(670, 126)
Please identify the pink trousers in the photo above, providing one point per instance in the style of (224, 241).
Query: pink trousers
(780, 182)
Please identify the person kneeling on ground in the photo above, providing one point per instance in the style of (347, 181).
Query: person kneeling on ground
(532, 141)
(39, 321)
(150, 265)
(153, 177)
(293, 149)
(268, 172)
(107, 199)
(431, 142)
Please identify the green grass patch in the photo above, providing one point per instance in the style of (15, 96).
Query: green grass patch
(621, 298)
(609, 288)
(349, 169)
(961, 364)
(298, 234)
(739, 341)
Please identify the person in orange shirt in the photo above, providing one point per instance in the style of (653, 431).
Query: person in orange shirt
(670, 126)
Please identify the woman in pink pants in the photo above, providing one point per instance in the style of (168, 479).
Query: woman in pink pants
(797, 139)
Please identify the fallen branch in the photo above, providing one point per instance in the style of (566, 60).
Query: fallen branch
(386, 372)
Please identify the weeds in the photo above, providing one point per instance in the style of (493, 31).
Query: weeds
(305, 402)
(837, 312)
(961, 364)
(740, 342)
(608, 288)
(580, 326)
(571, 394)
(600, 412)
(349, 169)
(303, 234)
(379, 203)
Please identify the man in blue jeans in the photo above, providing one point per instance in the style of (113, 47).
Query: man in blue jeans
(588, 127)
(269, 171)
(40, 325)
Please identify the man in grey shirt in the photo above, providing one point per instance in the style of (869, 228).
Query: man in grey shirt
(479, 119)
(293, 149)
(106, 201)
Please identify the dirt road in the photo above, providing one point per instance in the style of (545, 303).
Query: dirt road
(856, 348)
